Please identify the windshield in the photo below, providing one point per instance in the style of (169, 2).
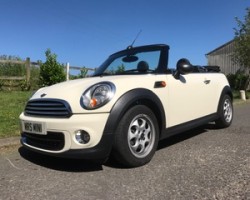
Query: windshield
(130, 62)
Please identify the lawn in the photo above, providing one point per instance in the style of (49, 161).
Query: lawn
(11, 106)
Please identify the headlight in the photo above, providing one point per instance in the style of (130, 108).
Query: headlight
(97, 95)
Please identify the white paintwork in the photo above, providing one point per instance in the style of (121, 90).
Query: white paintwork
(94, 125)
(183, 100)
(190, 97)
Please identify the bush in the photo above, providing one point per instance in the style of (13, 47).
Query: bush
(34, 77)
(83, 74)
(238, 81)
(51, 72)
(11, 69)
(1, 85)
(25, 86)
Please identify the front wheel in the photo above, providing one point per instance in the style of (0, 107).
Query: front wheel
(225, 112)
(136, 137)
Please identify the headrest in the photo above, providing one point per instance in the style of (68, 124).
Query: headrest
(142, 66)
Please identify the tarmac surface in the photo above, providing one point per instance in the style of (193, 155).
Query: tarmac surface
(204, 163)
(9, 141)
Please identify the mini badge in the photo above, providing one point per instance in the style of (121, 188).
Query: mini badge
(43, 95)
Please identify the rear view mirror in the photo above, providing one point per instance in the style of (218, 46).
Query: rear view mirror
(130, 58)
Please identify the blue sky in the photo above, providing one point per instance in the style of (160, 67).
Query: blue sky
(86, 32)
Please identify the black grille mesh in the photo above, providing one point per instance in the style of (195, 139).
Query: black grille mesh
(52, 141)
(48, 108)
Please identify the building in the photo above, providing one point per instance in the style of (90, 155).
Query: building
(222, 56)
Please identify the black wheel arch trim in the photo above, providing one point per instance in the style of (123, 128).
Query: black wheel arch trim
(226, 90)
(131, 98)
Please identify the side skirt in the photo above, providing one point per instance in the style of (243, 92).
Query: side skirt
(187, 126)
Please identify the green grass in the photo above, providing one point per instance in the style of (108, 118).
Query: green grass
(11, 105)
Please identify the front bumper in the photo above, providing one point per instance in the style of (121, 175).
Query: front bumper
(60, 139)
(100, 151)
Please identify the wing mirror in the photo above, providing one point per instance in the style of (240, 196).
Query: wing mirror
(183, 67)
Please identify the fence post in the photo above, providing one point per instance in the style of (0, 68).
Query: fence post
(67, 71)
(27, 65)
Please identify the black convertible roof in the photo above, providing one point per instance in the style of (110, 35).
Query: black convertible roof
(151, 47)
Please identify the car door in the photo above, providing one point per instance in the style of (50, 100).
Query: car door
(190, 97)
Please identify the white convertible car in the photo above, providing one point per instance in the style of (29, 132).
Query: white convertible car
(132, 101)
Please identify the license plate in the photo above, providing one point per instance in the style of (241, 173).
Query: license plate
(34, 127)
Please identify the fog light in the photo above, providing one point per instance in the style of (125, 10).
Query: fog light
(82, 137)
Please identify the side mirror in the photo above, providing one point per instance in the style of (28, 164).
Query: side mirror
(183, 67)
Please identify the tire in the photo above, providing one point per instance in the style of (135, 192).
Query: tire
(136, 137)
(225, 112)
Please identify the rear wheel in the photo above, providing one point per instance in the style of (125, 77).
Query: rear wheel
(225, 112)
(136, 137)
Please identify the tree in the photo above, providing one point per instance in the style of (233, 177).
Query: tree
(51, 72)
(242, 43)
(120, 68)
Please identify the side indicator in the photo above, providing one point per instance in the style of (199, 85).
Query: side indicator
(160, 84)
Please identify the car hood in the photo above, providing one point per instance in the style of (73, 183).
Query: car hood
(71, 91)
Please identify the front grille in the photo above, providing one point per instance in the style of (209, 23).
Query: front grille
(53, 141)
(48, 108)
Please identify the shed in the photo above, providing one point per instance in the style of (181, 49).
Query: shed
(222, 56)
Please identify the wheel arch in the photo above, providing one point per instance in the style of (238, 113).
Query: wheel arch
(131, 98)
(226, 91)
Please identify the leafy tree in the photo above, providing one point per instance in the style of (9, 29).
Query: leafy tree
(242, 43)
(237, 81)
(83, 73)
(120, 69)
(51, 72)
(6, 57)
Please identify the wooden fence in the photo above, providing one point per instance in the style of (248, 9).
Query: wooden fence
(28, 64)
(68, 67)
